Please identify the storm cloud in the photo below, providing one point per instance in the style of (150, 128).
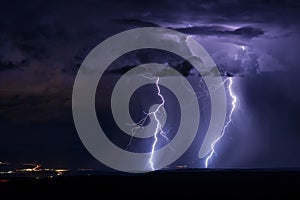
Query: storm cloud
(43, 43)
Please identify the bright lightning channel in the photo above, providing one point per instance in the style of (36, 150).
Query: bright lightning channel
(158, 113)
(233, 107)
(158, 128)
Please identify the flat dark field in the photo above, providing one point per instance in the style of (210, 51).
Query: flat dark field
(178, 183)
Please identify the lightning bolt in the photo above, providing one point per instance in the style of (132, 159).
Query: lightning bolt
(158, 128)
(233, 107)
(158, 113)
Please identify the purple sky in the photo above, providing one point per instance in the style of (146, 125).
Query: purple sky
(42, 45)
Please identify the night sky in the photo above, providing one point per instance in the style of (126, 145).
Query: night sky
(43, 43)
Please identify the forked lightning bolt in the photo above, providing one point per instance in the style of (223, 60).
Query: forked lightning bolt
(157, 114)
(158, 128)
(233, 107)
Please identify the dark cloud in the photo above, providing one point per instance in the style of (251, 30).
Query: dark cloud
(135, 22)
(122, 70)
(218, 11)
(185, 68)
(203, 30)
(7, 66)
(51, 34)
(247, 31)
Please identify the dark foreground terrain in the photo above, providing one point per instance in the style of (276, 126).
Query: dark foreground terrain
(199, 184)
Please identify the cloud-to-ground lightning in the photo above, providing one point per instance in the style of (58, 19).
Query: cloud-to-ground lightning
(233, 107)
(158, 128)
(157, 114)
